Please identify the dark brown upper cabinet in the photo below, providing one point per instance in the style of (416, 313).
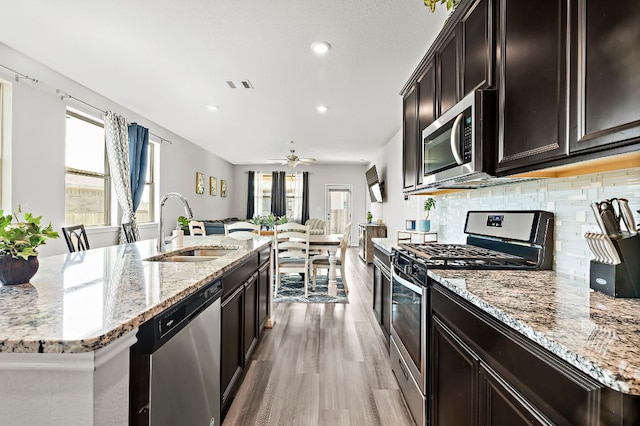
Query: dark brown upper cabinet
(426, 110)
(532, 83)
(605, 65)
(476, 34)
(410, 139)
(447, 75)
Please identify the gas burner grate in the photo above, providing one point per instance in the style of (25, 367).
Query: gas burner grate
(465, 256)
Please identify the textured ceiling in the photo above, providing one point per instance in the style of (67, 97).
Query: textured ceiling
(168, 59)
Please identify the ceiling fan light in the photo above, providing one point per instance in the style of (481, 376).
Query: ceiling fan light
(322, 108)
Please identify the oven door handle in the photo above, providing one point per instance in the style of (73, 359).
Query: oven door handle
(409, 285)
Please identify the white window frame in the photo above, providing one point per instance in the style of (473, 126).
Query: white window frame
(106, 175)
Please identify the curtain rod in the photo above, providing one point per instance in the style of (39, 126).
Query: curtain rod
(19, 75)
(64, 95)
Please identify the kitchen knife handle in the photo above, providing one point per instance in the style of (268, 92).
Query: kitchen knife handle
(627, 215)
(610, 224)
(596, 212)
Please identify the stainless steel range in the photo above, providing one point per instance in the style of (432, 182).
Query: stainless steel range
(495, 240)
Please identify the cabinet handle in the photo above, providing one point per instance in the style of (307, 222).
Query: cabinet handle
(455, 136)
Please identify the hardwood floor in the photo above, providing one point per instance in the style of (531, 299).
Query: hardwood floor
(323, 364)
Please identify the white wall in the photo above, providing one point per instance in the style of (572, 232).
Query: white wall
(567, 198)
(34, 153)
(319, 176)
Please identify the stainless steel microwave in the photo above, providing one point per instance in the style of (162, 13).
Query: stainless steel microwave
(458, 149)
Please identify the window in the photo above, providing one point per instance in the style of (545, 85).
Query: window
(262, 196)
(87, 188)
(145, 212)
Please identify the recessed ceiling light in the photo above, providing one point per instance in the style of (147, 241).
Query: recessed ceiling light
(212, 108)
(320, 47)
(322, 108)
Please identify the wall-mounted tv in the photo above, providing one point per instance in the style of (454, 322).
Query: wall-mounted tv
(376, 188)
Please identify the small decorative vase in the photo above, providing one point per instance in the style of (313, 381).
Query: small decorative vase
(17, 271)
(424, 225)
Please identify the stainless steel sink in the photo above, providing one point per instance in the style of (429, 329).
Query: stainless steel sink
(181, 258)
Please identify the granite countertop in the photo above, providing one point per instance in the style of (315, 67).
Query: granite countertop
(82, 301)
(596, 333)
(387, 244)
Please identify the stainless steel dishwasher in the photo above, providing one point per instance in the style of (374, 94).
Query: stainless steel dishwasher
(177, 364)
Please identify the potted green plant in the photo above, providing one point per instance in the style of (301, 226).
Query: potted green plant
(19, 240)
(183, 223)
(424, 225)
(369, 217)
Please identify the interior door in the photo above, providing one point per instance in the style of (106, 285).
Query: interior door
(338, 207)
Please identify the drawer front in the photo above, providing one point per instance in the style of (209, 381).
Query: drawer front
(240, 273)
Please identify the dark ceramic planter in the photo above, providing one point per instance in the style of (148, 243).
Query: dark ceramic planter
(17, 271)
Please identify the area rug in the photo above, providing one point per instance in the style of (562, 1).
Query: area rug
(292, 291)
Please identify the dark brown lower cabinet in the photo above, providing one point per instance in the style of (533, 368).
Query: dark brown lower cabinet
(454, 378)
(232, 356)
(483, 372)
(263, 295)
(382, 289)
(245, 310)
(250, 317)
(501, 404)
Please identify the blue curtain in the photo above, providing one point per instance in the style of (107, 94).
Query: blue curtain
(251, 195)
(305, 197)
(138, 148)
(278, 193)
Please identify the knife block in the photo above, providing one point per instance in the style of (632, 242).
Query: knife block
(622, 280)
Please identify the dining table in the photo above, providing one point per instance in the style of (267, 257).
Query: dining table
(330, 243)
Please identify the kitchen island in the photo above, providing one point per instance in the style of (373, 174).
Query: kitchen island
(65, 337)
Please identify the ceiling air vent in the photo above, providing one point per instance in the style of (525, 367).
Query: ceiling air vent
(239, 84)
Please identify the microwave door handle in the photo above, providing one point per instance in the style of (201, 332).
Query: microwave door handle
(455, 136)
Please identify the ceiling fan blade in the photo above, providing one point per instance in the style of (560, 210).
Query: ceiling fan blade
(308, 160)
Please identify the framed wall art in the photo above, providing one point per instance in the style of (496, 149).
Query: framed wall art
(199, 183)
(223, 188)
(213, 186)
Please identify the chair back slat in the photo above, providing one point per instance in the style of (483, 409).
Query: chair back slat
(76, 238)
(241, 230)
(196, 227)
(129, 232)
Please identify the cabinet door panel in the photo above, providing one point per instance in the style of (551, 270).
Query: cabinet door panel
(448, 74)
(609, 88)
(410, 139)
(501, 405)
(231, 345)
(533, 89)
(477, 36)
(454, 373)
(263, 296)
(250, 317)
(426, 112)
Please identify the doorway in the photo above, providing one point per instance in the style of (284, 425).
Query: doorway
(338, 207)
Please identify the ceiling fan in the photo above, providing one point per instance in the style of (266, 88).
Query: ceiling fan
(292, 160)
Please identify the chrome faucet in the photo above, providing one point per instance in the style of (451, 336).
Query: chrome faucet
(161, 241)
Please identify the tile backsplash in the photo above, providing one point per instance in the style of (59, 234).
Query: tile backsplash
(568, 198)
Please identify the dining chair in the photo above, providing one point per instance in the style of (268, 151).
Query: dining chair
(76, 238)
(129, 233)
(322, 262)
(241, 230)
(196, 227)
(291, 245)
